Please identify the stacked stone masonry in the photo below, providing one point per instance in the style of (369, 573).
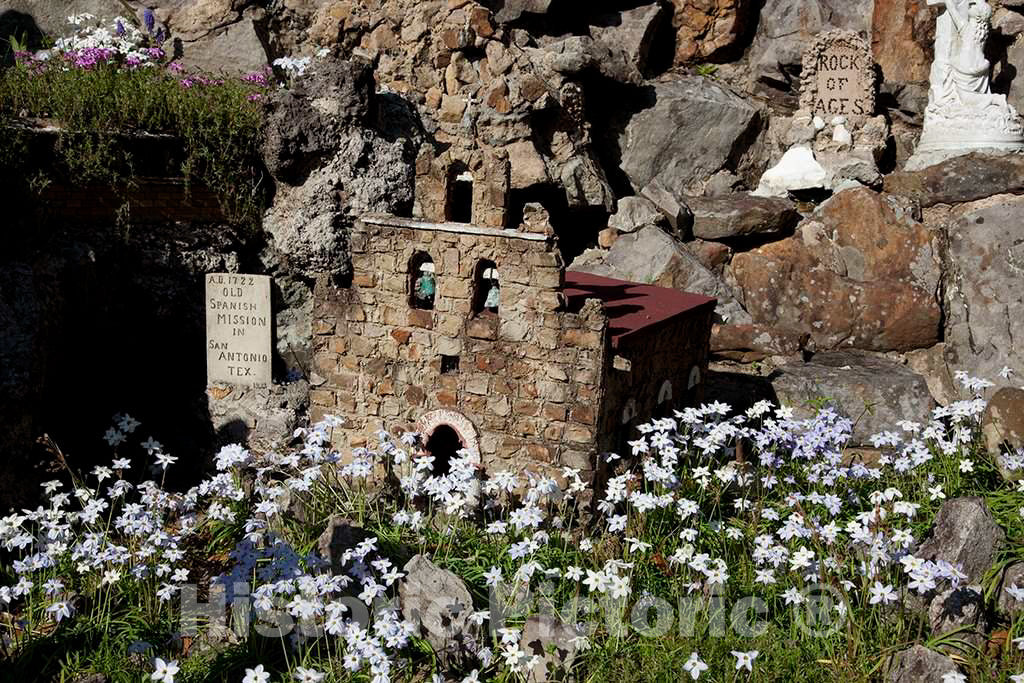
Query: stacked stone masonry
(533, 383)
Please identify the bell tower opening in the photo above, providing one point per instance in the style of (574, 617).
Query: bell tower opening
(444, 444)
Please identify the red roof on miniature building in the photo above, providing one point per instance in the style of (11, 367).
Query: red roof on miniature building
(630, 306)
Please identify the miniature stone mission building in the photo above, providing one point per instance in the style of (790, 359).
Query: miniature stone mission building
(476, 336)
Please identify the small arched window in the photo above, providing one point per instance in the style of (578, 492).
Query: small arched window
(459, 199)
(694, 377)
(422, 283)
(486, 287)
(665, 393)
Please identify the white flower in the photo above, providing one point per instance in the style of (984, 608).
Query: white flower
(882, 593)
(966, 465)
(936, 493)
(745, 660)
(304, 675)
(257, 675)
(492, 577)
(953, 677)
(164, 671)
(694, 666)
(1015, 593)
(1006, 372)
(60, 610)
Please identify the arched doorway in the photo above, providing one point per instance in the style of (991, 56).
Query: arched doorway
(444, 444)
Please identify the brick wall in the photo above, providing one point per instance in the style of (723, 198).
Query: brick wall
(529, 378)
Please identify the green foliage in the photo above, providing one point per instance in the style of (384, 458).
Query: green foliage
(101, 112)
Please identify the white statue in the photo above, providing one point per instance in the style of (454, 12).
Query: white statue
(963, 114)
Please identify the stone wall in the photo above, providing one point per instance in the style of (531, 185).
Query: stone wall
(152, 200)
(529, 378)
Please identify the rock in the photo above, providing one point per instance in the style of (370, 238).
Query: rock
(873, 392)
(633, 213)
(671, 207)
(1013, 577)
(902, 34)
(984, 288)
(710, 30)
(552, 640)
(740, 215)
(712, 255)
(606, 238)
(796, 170)
(652, 257)
(259, 414)
(918, 664)
(629, 35)
(749, 343)
(960, 179)
(1002, 427)
(692, 129)
(959, 608)
(526, 164)
(512, 10)
(966, 535)
(339, 535)
(51, 16)
(235, 48)
(787, 27)
(439, 604)
(849, 288)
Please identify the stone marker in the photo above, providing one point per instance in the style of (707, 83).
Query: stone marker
(238, 324)
(838, 77)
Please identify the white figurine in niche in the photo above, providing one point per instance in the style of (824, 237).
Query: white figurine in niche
(963, 113)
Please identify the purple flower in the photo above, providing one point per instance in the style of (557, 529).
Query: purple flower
(254, 97)
(155, 53)
(176, 67)
(120, 29)
(161, 36)
(149, 19)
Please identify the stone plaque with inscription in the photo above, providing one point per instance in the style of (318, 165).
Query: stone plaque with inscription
(838, 76)
(238, 326)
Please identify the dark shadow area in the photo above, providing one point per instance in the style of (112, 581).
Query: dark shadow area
(444, 444)
(23, 29)
(738, 389)
(458, 205)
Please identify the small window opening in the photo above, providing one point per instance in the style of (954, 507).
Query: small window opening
(444, 444)
(460, 197)
(422, 282)
(664, 406)
(486, 287)
(449, 364)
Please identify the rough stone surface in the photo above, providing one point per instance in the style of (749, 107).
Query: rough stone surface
(550, 639)
(956, 608)
(51, 16)
(860, 272)
(339, 535)
(439, 604)
(1002, 427)
(693, 128)
(634, 213)
(960, 179)
(918, 664)
(653, 257)
(985, 288)
(748, 343)
(258, 415)
(1013, 576)
(966, 535)
(902, 33)
(630, 34)
(740, 215)
(709, 29)
(873, 392)
(236, 48)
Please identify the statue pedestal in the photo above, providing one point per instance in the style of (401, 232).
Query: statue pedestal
(991, 125)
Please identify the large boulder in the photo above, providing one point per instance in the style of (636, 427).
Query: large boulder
(1009, 600)
(709, 30)
(966, 535)
(874, 392)
(51, 16)
(439, 604)
(553, 641)
(693, 128)
(960, 610)
(960, 179)
(1002, 427)
(918, 664)
(633, 213)
(787, 27)
(902, 33)
(630, 34)
(985, 288)
(860, 272)
(651, 256)
(741, 215)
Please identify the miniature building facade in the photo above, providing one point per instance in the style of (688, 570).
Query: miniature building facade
(476, 337)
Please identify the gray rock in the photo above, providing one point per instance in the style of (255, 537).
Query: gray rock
(235, 48)
(786, 28)
(966, 535)
(258, 415)
(985, 288)
(960, 179)
(1002, 427)
(693, 128)
(439, 604)
(671, 207)
(739, 215)
(872, 391)
(629, 35)
(51, 16)
(959, 608)
(550, 639)
(1013, 575)
(634, 213)
(339, 535)
(650, 256)
(511, 10)
(918, 664)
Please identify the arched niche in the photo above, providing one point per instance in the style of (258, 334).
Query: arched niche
(422, 281)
